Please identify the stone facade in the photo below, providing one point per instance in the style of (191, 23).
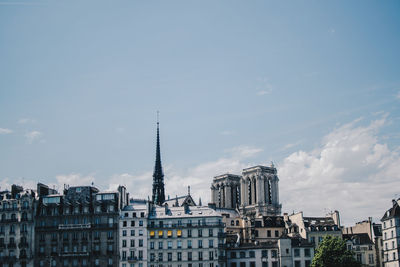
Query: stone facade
(78, 227)
(391, 235)
(225, 191)
(313, 229)
(133, 234)
(17, 227)
(185, 237)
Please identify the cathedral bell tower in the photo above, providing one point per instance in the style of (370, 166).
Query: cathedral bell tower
(158, 196)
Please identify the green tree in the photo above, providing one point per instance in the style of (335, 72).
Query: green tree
(332, 252)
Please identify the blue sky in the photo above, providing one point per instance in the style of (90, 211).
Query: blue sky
(237, 83)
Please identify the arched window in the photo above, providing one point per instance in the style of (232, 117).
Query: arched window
(249, 191)
(255, 190)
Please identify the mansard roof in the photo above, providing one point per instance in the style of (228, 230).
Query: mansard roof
(182, 200)
(393, 211)
(273, 221)
(359, 239)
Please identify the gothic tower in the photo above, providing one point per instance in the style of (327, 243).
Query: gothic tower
(260, 191)
(158, 176)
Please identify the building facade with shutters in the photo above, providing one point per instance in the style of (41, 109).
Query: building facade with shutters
(78, 227)
(17, 227)
(133, 234)
(391, 235)
(188, 236)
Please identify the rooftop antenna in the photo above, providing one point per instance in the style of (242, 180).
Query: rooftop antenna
(189, 190)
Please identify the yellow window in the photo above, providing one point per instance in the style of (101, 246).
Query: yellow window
(160, 233)
(152, 233)
(179, 233)
(169, 233)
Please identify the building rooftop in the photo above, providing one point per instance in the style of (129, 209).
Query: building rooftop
(182, 212)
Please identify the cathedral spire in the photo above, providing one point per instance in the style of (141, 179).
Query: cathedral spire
(158, 176)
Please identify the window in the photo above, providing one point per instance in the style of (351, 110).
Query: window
(242, 254)
(297, 252)
(160, 234)
(200, 232)
(210, 243)
(179, 244)
(233, 255)
(268, 233)
(132, 243)
(169, 244)
(307, 263)
(274, 253)
(211, 255)
(132, 223)
(179, 256)
(124, 224)
(160, 245)
(264, 253)
(189, 243)
(169, 256)
(133, 233)
(189, 256)
(124, 243)
(276, 233)
(152, 257)
(124, 233)
(152, 245)
(160, 256)
(371, 259)
(189, 232)
(179, 233)
(297, 263)
(200, 243)
(210, 232)
(307, 252)
(169, 233)
(140, 232)
(140, 223)
(140, 242)
(252, 254)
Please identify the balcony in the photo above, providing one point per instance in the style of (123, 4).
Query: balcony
(74, 254)
(221, 258)
(132, 259)
(186, 225)
(74, 226)
(23, 245)
(221, 245)
(221, 235)
(12, 245)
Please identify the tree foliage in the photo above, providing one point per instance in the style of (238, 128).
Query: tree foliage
(332, 252)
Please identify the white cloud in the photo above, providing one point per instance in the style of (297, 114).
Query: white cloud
(7, 182)
(264, 86)
(290, 145)
(198, 177)
(244, 151)
(352, 171)
(226, 132)
(26, 120)
(264, 92)
(5, 131)
(74, 179)
(32, 136)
